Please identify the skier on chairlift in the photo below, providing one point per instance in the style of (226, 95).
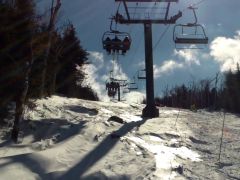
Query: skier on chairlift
(116, 44)
(107, 45)
(126, 45)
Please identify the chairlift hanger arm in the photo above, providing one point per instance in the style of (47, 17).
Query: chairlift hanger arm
(195, 15)
(166, 15)
(126, 9)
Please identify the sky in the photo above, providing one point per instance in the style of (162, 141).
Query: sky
(220, 18)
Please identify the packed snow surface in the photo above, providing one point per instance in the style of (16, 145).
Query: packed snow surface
(70, 139)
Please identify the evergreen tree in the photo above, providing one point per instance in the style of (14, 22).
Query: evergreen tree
(72, 56)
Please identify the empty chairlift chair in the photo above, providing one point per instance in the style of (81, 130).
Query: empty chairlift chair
(192, 34)
(132, 85)
(142, 74)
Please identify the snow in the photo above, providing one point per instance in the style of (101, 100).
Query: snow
(66, 138)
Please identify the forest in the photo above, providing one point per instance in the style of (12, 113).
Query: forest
(37, 58)
(218, 93)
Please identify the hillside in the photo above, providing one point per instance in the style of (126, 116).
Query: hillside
(78, 139)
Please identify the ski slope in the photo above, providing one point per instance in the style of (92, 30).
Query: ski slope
(70, 139)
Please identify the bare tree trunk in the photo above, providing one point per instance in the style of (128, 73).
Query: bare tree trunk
(21, 97)
(20, 102)
(55, 69)
(51, 26)
(52, 84)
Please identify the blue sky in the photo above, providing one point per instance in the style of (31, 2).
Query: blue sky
(219, 17)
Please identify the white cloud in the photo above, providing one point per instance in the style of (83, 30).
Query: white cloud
(92, 74)
(189, 56)
(96, 58)
(97, 72)
(141, 64)
(226, 51)
(117, 71)
(91, 80)
(166, 67)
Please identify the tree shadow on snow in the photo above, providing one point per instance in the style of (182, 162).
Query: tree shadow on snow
(102, 176)
(38, 164)
(99, 152)
(40, 130)
(56, 129)
(83, 110)
(35, 163)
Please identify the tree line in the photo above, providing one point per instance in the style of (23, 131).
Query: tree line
(206, 94)
(37, 59)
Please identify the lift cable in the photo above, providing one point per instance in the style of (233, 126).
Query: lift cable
(131, 27)
(193, 5)
(167, 28)
(160, 38)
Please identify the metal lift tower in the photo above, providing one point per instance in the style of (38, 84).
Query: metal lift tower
(150, 110)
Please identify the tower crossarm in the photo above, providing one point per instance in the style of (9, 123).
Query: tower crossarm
(119, 18)
(171, 20)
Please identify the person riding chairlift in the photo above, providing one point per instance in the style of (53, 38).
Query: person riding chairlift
(107, 45)
(126, 44)
(112, 88)
(116, 42)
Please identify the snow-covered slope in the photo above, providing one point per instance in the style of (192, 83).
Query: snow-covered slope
(72, 139)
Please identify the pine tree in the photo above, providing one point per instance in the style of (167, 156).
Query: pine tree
(73, 55)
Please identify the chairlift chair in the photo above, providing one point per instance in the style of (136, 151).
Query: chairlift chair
(132, 86)
(125, 90)
(190, 34)
(198, 36)
(112, 88)
(115, 41)
(142, 74)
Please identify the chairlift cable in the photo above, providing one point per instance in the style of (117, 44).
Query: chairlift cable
(193, 5)
(135, 9)
(167, 28)
(196, 4)
(137, 48)
(119, 6)
(160, 38)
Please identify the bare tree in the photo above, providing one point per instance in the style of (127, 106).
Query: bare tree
(21, 96)
(50, 31)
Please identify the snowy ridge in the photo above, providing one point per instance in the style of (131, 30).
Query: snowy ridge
(78, 139)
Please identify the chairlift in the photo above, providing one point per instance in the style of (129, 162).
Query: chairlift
(132, 85)
(113, 85)
(112, 88)
(190, 34)
(115, 41)
(142, 74)
(125, 90)
(122, 82)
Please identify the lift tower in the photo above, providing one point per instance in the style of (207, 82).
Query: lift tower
(150, 110)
